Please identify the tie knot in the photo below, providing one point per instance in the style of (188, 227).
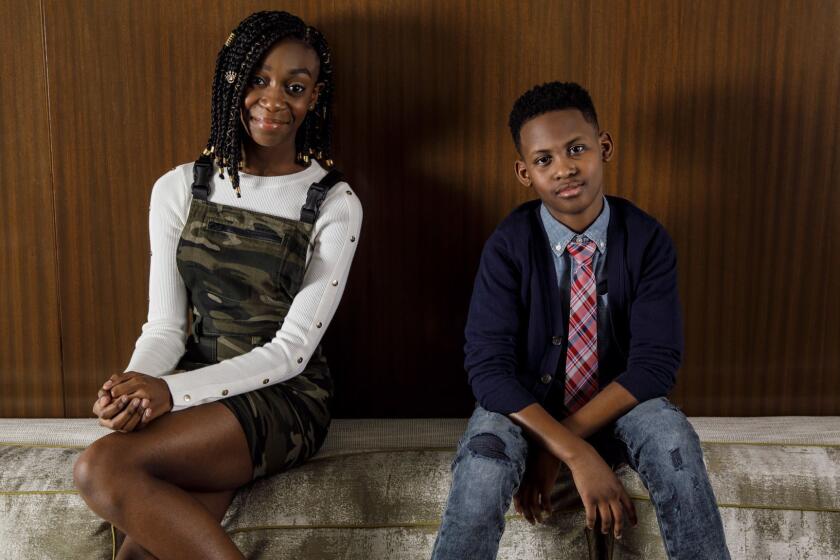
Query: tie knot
(582, 251)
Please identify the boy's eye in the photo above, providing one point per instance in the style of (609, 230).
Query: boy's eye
(543, 160)
(577, 149)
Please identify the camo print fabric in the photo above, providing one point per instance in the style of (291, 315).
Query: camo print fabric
(242, 270)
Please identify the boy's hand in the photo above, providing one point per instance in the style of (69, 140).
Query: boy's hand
(151, 393)
(602, 494)
(533, 499)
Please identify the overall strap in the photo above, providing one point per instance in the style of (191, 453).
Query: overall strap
(316, 194)
(202, 173)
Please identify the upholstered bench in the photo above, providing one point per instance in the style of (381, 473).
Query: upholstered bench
(377, 488)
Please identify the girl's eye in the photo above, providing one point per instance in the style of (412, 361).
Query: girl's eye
(577, 149)
(258, 81)
(543, 160)
(296, 89)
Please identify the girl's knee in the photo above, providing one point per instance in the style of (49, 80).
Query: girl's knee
(99, 469)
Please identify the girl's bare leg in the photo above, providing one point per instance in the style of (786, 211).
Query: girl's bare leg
(215, 502)
(141, 481)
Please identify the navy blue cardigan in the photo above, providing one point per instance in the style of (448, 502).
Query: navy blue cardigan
(516, 334)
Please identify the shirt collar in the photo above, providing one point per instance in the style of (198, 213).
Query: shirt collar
(559, 235)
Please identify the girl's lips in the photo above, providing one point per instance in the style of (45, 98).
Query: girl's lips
(268, 124)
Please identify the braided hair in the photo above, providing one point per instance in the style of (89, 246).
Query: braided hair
(245, 46)
(551, 96)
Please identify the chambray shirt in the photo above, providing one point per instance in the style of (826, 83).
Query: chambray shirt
(559, 236)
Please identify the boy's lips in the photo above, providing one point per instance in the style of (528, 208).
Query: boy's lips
(570, 189)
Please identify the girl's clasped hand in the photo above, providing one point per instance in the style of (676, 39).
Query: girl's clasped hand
(129, 401)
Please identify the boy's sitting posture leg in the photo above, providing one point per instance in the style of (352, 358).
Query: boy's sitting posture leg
(487, 470)
(574, 330)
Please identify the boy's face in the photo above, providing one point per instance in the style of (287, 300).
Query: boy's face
(563, 159)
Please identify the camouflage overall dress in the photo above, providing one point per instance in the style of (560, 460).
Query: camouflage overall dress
(242, 270)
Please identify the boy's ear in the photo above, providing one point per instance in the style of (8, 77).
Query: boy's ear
(522, 173)
(607, 147)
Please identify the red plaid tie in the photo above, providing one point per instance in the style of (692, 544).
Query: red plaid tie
(582, 354)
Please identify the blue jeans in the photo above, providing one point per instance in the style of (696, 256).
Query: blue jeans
(655, 439)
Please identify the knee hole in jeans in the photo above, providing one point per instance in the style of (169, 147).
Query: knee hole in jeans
(488, 445)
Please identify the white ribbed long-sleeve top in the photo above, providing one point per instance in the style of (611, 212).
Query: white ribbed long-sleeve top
(334, 240)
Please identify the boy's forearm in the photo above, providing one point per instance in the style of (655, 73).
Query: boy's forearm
(610, 403)
(547, 432)
(564, 439)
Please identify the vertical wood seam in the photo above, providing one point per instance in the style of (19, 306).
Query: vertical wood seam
(54, 209)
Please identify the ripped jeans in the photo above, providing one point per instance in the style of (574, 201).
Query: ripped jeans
(654, 438)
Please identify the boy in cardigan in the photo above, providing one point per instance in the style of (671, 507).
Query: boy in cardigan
(573, 341)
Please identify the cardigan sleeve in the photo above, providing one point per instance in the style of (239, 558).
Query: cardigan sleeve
(656, 342)
(493, 325)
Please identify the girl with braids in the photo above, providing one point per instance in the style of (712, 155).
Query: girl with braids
(255, 240)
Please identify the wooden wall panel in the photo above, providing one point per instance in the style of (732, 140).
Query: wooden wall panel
(725, 117)
(30, 345)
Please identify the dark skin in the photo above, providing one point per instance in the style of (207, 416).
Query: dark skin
(563, 157)
(159, 478)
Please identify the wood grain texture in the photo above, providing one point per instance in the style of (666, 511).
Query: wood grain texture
(724, 114)
(30, 345)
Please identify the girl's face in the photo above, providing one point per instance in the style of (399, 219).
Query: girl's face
(281, 91)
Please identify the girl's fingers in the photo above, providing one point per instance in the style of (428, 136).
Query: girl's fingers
(111, 410)
(123, 417)
(132, 422)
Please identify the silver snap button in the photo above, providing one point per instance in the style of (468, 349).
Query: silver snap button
(300, 360)
(265, 381)
(335, 282)
(224, 393)
(187, 398)
(319, 324)
(352, 238)
(556, 340)
(546, 379)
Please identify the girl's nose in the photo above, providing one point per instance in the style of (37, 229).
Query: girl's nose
(272, 98)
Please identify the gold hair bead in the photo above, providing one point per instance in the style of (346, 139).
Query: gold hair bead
(320, 154)
(206, 152)
(311, 151)
(305, 158)
(229, 40)
(328, 163)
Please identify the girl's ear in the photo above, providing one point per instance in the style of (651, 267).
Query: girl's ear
(521, 173)
(316, 91)
(607, 147)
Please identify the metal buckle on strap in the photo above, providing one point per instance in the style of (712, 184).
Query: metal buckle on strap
(202, 173)
(316, 194)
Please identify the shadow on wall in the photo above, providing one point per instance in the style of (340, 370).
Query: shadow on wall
(395, 346)
(740, 190)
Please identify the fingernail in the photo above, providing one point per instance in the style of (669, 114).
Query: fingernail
(107, 385)
(618, 537)
(148, 412)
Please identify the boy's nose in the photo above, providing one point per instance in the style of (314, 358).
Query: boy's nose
(566, 171)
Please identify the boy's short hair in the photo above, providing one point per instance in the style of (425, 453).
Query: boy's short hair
(551, 96)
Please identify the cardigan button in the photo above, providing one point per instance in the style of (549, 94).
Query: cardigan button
(556, 341)
(546, 379)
